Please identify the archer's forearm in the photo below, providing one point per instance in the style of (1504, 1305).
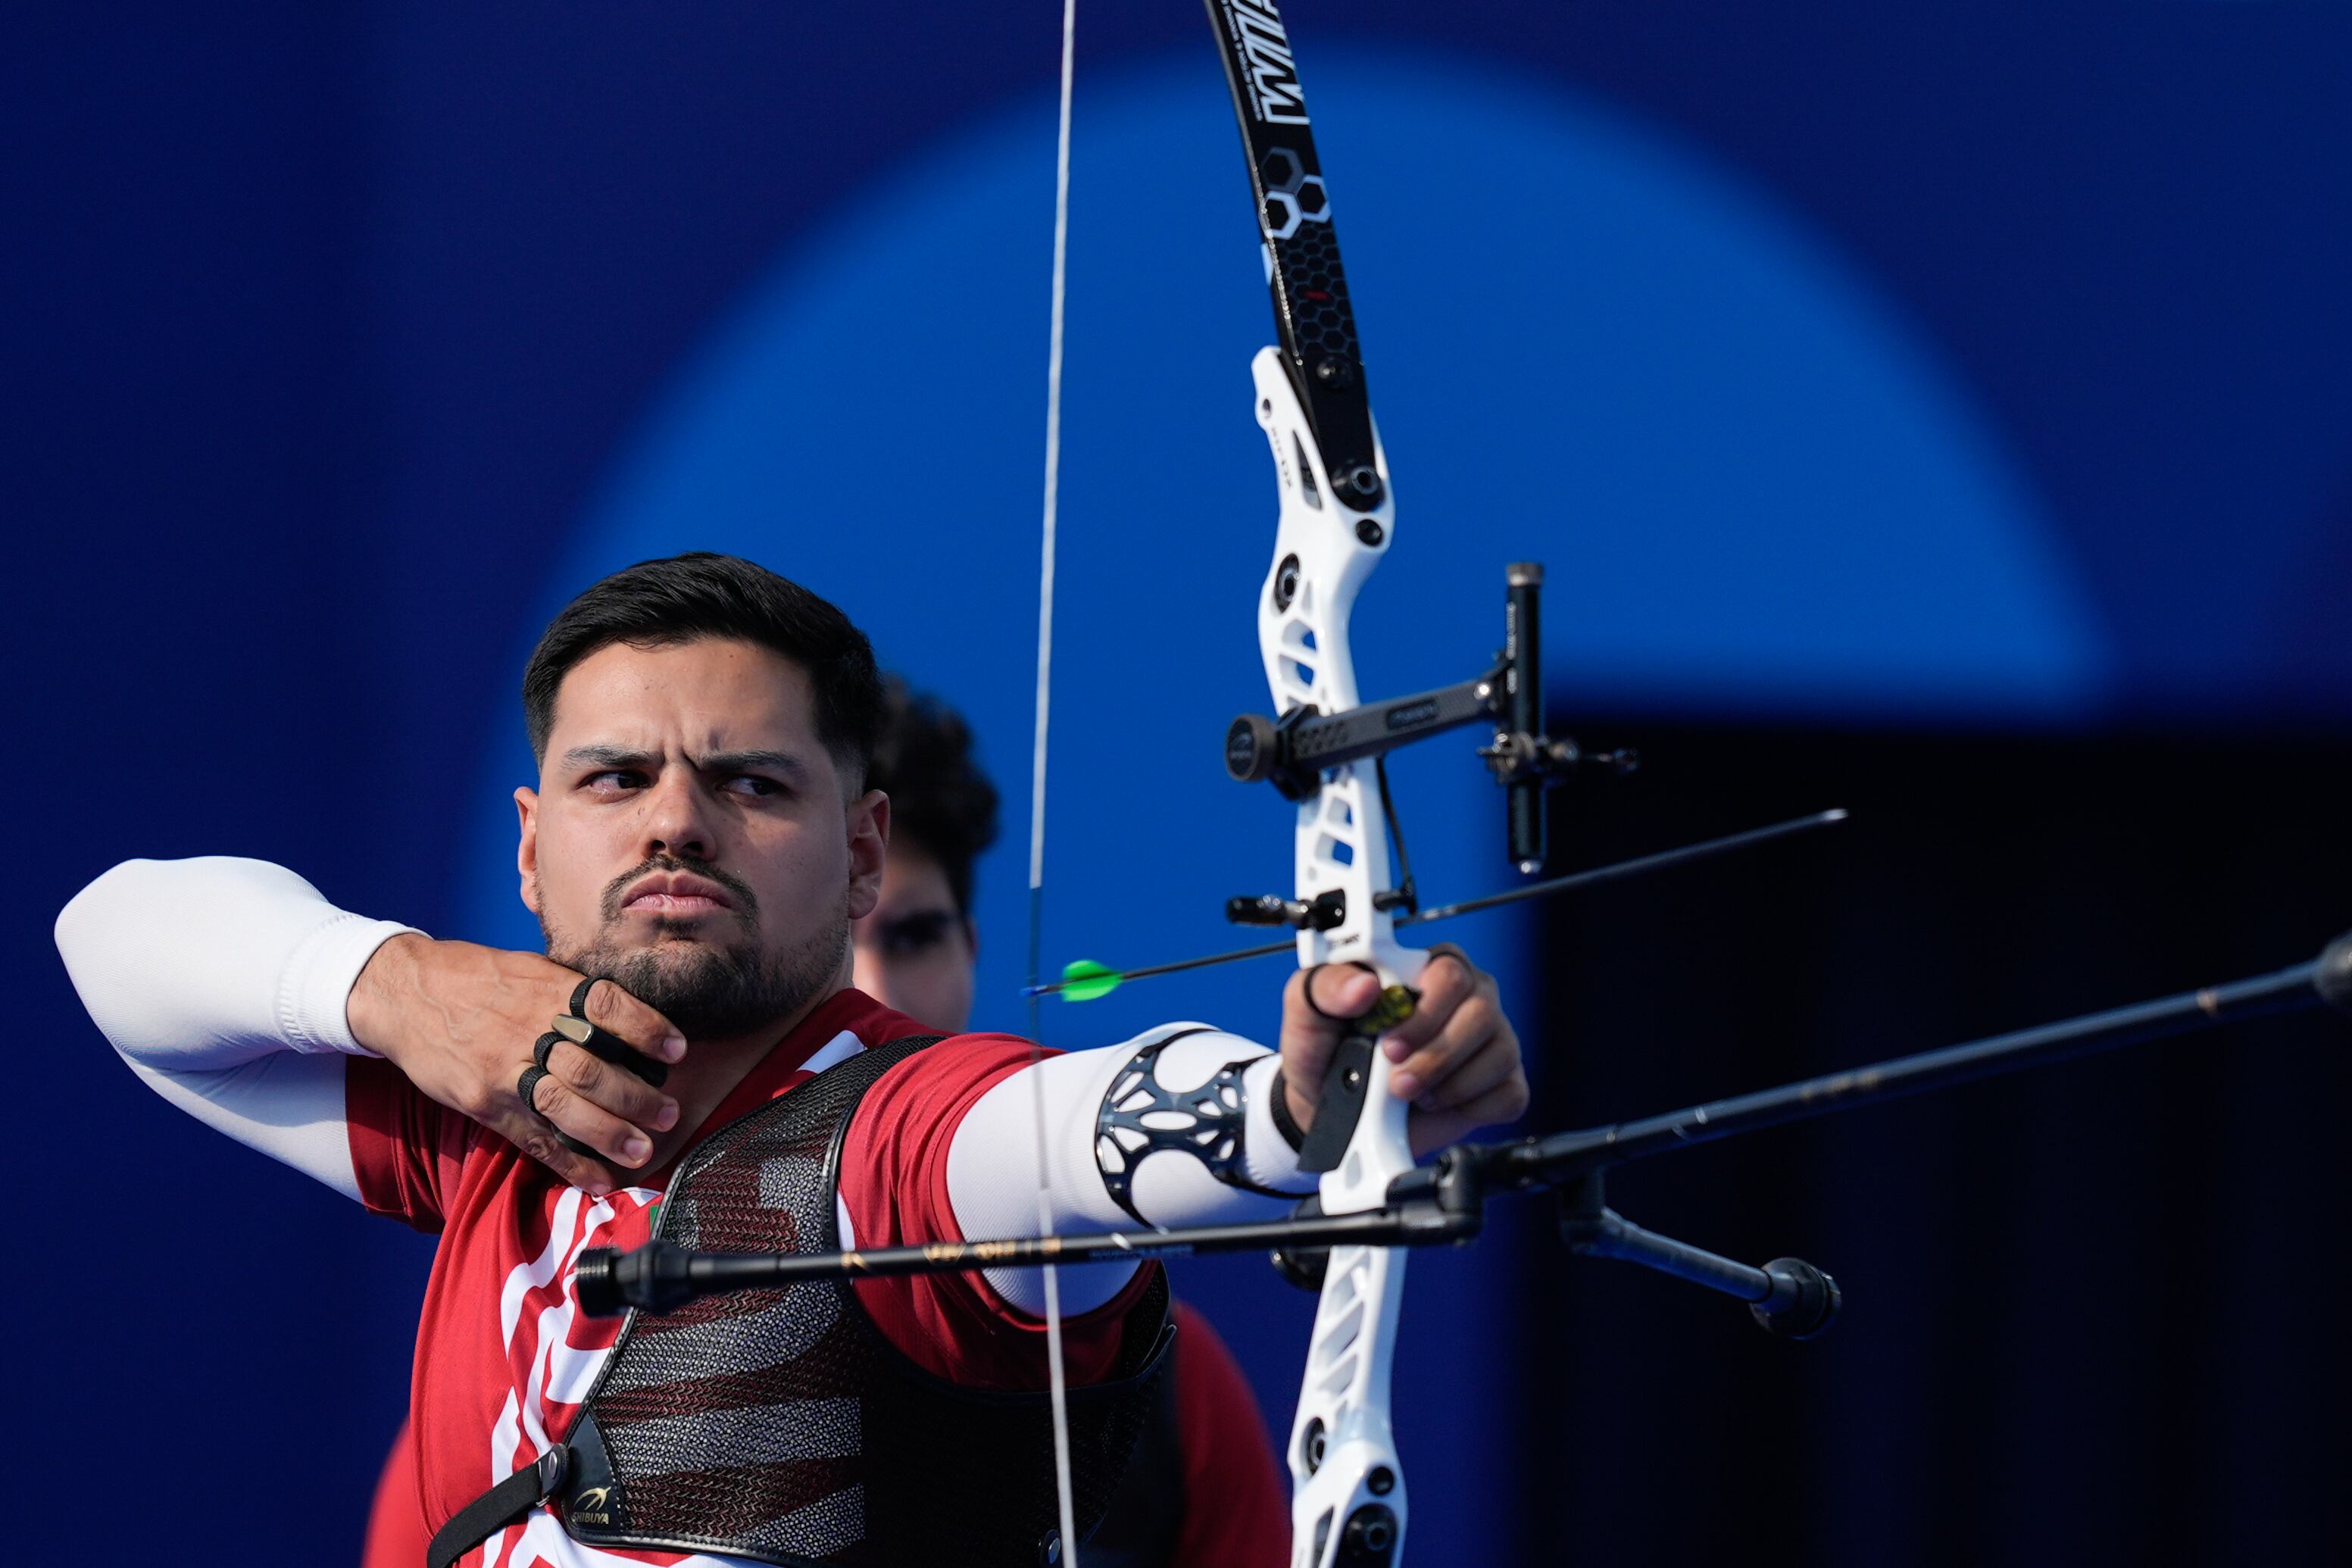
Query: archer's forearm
(1184, 1134)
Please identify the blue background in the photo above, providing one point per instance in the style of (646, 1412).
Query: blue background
(1979, 376)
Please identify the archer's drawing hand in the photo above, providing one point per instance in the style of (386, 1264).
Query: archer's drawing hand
(1456, 1059)
(459, 1020)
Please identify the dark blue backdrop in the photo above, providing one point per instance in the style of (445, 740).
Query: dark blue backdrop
(1979, 372)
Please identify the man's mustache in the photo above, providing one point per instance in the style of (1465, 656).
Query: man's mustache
(747, 903)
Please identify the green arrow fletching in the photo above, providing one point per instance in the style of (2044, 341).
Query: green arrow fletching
(1086, 980)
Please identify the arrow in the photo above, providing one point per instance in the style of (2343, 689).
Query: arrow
(1085, 980)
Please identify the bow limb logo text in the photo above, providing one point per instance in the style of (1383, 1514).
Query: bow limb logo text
(1264, 48)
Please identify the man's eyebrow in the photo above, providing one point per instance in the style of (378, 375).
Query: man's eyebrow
(753, 760)
(605, 756)
(788, 764)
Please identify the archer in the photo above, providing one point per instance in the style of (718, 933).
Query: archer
(698, 844)
(1201, 1489)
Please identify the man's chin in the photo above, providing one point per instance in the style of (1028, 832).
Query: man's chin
(671, 953)
(661, 951)
(710, 983)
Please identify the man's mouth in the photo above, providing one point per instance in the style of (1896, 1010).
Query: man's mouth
(675, 895)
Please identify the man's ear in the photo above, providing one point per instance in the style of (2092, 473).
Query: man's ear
(869, 820)
(526, 801)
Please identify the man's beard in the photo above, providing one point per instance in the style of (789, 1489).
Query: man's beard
(708, 991)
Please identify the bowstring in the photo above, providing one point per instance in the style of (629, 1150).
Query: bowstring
(1056, 1379)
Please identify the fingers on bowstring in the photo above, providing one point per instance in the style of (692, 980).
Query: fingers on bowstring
(539, 1139)
(613, 1089)
(569, 1111)
(643, 1028)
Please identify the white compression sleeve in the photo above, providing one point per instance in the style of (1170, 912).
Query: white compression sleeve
(222, 983)
(992, 1162)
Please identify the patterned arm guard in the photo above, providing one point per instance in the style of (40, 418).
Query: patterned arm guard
(1208, 1121)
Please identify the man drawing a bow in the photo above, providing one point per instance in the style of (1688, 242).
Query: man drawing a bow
(698, 847)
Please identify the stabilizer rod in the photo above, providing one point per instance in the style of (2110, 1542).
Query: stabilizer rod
(1548, 1162)
(1787, 1296)
(1443, 1202)
(660, 1277)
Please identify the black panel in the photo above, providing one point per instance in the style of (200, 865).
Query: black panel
(2092, 1313)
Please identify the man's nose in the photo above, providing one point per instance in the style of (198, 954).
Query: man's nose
(677, 816)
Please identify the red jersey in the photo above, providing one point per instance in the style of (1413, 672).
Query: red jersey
(1233, 1515)
(504, 1357)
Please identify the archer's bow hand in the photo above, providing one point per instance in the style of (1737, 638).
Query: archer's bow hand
(1457, 1057)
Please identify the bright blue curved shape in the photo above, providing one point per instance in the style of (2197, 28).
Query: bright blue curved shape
(1757, 490)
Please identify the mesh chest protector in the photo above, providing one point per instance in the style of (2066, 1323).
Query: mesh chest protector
(782, 1425)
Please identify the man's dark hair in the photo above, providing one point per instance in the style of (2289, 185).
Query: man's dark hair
(682, 599)
(938, 797)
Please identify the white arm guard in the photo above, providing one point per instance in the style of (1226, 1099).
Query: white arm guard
(222, 983)
(1172, 1128)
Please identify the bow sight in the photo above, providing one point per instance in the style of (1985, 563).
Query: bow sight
(1304, 746)
(1296, 751)
(1293, 752)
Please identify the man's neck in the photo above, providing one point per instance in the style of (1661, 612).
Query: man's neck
(711, 1070)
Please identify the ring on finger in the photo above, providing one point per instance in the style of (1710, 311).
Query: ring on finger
(606, 1046)
(1437, 950)
(527, 1088)
(1310, 988)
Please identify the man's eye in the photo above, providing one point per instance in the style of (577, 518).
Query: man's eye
(753, 784)
(612, 779)
(912, 934)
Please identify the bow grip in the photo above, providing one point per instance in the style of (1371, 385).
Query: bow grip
(1347, 1083)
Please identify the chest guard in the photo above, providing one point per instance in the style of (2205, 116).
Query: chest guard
(782, 1425)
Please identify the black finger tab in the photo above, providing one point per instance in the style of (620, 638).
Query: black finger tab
(528, 1085)
(606, 1046)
